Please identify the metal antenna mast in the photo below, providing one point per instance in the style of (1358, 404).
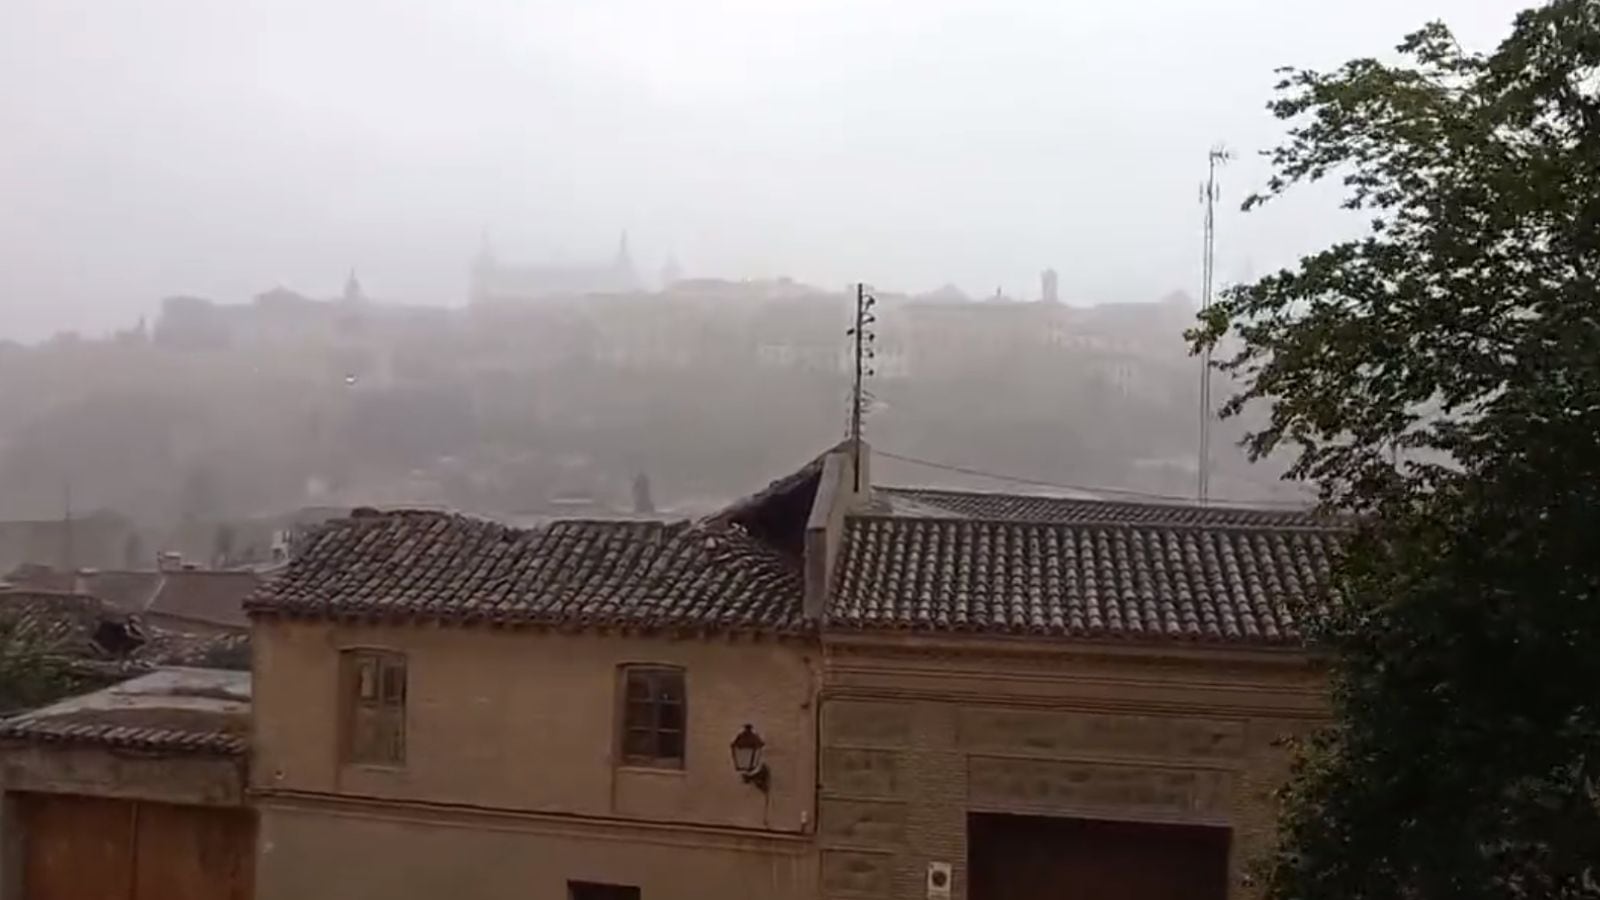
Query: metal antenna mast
(863, 340)
(1218, 155)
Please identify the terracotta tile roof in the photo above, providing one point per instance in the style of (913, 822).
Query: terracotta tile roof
(206, 597)
(924, 502)
(88, 628)
(442, 566)
(171, 710)
(53, 618)
(1079, 579)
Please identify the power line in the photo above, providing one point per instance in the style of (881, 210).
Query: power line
(1126, 492)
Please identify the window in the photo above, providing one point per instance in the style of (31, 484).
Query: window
(375, 707)
(653, 716)
(589, 890)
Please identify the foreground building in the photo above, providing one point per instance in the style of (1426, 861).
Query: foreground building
(134, 792)
(1023, 694)
(825, 691)
(448, 707)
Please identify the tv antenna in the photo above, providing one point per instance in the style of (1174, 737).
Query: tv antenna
(1209, 191)
(864, 340)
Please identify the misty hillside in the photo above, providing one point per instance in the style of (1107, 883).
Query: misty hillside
(573, 405)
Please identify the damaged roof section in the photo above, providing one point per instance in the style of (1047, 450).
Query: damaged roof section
(777, 514)
(209, 598)
(181, 710)
(822, 548)
(92, 631)
(447, 567)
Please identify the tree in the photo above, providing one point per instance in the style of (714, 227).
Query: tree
(36, 667)
(1440, 377)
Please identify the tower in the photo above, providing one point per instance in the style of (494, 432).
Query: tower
(624, 276)
(624, 260)
(352, 289)
(671, 272)
(483, 266)
(1048, 289)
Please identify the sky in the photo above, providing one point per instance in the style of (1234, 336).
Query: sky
(221, 148)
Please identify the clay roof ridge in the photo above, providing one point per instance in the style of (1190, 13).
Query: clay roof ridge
(962, 503)
(1121, 524)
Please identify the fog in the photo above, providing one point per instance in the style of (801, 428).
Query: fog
(221, 148)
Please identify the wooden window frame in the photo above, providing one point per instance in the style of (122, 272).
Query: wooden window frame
(644, 716)
(382, 700)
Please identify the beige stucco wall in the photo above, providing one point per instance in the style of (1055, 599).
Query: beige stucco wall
(521, 722)
(190, 779)
(917, 734)
(392, 852)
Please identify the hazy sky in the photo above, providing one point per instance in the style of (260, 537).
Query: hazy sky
(220, 147)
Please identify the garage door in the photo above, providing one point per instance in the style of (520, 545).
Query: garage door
(1040, 858)
(92, 848)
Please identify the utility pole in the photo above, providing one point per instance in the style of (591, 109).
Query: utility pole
(863, 340)
(1218, 155)
(68, 551)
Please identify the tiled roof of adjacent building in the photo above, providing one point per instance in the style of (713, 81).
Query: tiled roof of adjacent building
(206, 597)
(89, 629)
(212, 597)
(924, 502)
(172, 710)
(442, 566)
(1129, 579)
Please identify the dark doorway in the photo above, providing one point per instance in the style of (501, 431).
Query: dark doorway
(588, 890)
(1041, 858)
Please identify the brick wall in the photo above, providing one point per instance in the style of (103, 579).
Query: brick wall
(916, 734)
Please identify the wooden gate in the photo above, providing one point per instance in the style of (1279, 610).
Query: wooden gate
(93, 848)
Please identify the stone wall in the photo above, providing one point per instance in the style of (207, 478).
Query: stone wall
(917, 734)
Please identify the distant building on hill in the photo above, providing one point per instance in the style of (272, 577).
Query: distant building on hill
(1049, 286)
(496, 282)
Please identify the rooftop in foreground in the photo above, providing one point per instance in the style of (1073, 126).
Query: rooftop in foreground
(172, 709)
(896, 559)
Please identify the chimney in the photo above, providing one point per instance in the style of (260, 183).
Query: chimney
(839, 493)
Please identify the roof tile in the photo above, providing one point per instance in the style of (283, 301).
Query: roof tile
(1211, 582)
(173, 709)
(936, 502)
(445, 566)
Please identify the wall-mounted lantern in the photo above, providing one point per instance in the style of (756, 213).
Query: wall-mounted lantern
(747, 761)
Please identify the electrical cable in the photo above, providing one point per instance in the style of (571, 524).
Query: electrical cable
(1126, 492)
